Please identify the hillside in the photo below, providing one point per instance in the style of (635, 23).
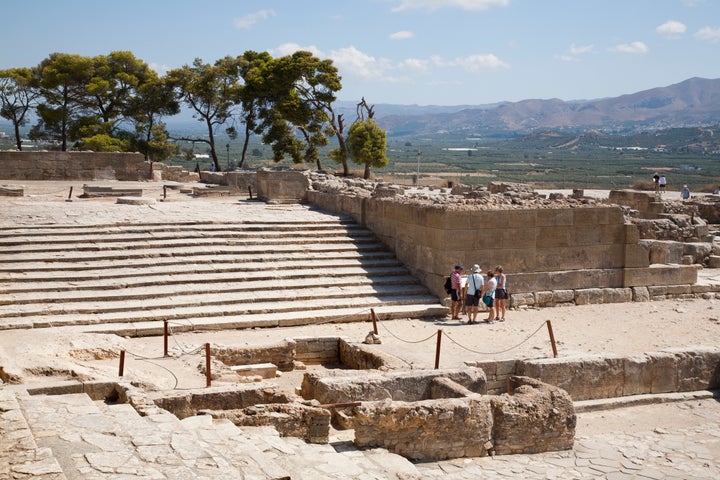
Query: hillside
(691, 103)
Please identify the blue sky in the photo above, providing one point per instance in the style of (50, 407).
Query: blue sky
(425, 52)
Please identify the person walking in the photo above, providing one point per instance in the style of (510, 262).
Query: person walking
(455, 293)
(663, 183)
(474, 285)
(488, 296)
(500, 294)
(685, 194)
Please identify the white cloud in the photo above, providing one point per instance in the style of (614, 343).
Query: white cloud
(402, 35)
(633, 47)
(415, 64)
(437, 4)
(160, 69)
(290, 48)
(708, 34)
(246, 22)
(671, 29)
(476, 63)
(580, 49)
(353, 61)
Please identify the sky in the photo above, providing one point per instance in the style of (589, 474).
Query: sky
(409, 52)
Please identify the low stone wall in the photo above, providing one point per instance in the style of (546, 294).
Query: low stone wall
(409, 386)
(188, 403)
(540, 249)
(533, 418)
(646, 203)
(286, 186)
(364, 357)
(311, 423)
(281, 354)
(238, 182)
(53, 165)
(593, 377)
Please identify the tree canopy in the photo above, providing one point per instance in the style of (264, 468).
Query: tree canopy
(116, 102)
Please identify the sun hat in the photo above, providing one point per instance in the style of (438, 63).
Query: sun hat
(476, 268)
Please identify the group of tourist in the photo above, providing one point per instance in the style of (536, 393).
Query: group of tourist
(476, 289)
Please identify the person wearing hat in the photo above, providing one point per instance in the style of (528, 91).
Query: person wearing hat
(456, 285)
(474, 284)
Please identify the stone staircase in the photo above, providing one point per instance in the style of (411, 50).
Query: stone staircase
(129, 278)
(68, 437)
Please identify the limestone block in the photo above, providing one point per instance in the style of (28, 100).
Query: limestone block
(544, 299)
(588, 296)
(563, 296)
(533, 418)
(656, 291)
(583, 378)
(677, 290)
(617, 295)
(661, 275)
(426, 430)
(637, 256)
(639, 375)
(264, 370)
(664, 251)
(663, 372)
(640, 294)
(698, 368)
(698, 251)
(713, 261)
(12, 191)
(519, 299)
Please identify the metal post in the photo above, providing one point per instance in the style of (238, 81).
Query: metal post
(164, 191)
(165, 338)
(122, 363)
(70, 194)
(374, 320)
(250, 191)
(437, 349)
(552, 338)
(208, 374)
(227, 147)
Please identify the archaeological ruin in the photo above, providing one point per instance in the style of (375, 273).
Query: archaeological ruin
(341, 251)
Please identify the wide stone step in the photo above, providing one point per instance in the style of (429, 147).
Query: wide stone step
(53, 294)
(219, 300)
(121, 271)
(161, 278)
(70, 262)
(59, 254)
(272, 320)
(195, 313)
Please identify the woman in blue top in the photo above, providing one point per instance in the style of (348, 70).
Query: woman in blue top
(500, 293)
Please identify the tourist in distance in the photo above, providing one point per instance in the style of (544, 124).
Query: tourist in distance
(474, 285)
(663, 183)
(455, 293)
(488, 296)
(656, 182)
(685, 194)
(500, 294)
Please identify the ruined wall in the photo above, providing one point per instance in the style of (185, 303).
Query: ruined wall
(540, 249)
(53, 165)
(533, 418)
(591, 377)
(407, 386)
(646, 203)
(275, 186)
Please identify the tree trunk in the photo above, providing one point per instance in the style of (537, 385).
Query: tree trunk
(366, 176)
(245, 147)
(18, 140)
(213, 153)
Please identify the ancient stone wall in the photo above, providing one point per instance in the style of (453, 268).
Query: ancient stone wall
(533, 418)
(287, 186)
(646, 203)
(409, 386)
(282, 354)
(541, 249)
(54, 165)
(592, 377)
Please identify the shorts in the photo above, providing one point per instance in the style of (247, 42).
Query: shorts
(454, 295)
(500, 294)
(471, 301)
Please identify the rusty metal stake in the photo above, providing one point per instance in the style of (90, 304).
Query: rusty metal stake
(374, 320)
(122, 363)
(208, 375)
(437, 349)
(165, 338)
(552, 338)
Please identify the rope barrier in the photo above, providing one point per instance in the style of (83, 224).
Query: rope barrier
(495, 353)
(406, 341)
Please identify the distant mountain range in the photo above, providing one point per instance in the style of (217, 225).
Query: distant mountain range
(691, 103)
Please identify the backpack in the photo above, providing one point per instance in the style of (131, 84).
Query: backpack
(448, 285)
